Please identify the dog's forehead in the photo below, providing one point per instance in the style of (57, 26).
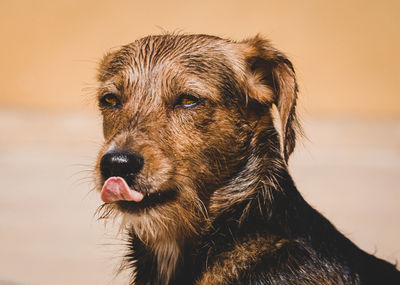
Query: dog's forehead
(170, 56)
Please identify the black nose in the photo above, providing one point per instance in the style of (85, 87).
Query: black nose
(121, 163)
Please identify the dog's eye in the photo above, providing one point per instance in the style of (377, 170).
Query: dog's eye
(110, 100)
(187, 101)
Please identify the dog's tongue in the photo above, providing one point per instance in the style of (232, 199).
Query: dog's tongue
(116, 189)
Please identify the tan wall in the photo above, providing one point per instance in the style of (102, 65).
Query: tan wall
(346, 52)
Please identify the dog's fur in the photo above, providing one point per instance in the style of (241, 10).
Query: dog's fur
(220, 206)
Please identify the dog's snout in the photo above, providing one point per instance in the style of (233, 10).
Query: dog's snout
(121, 163)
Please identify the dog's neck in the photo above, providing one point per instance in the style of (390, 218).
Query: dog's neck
(153, 263)
(254, 194)
(263, 175)
(167, 254)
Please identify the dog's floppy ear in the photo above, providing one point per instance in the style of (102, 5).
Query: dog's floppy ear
(272, 79)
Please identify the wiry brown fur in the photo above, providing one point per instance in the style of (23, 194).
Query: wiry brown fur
(227, 210)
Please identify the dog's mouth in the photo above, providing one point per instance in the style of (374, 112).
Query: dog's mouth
(116, 190)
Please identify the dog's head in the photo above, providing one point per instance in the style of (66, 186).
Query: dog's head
(181, 115)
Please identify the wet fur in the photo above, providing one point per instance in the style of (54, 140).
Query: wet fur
(221, 207)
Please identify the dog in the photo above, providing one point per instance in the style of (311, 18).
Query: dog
(195, 168)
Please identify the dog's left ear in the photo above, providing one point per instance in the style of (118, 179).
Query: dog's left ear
(271, 79)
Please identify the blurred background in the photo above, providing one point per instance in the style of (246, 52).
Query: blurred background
(346, 54)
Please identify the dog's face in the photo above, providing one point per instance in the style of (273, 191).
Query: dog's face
(179, 117)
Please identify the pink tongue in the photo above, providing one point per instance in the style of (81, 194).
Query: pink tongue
(116, 189)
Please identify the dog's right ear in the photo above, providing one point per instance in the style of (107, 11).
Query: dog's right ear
(271, 80)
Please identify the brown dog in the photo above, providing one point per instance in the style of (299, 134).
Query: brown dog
(193, 164)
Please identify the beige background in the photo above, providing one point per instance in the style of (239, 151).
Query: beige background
(346, 52)
(347, 58)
